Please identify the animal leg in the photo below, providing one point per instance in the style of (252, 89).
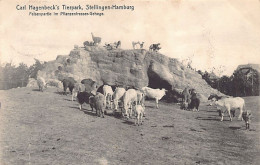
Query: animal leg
(229, 114)
(115, 104)
(80, 106)
(222, 116)
(157, 106)
(72, 99)
(102, 112)
(141, 117)
(240, 115)
(65, 91)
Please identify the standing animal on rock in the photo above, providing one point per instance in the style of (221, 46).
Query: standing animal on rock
(246, 117)
(97, 40)
(118, 45)
(134, 44)
(141, 45)
(78, 87)
(88, 43)
(156, 94)
(117, 96)
(109, 46)
(227, 104)
(41, 83)
(154, 47)
(68, 82)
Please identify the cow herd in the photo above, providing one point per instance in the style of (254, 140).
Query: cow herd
(130, 101)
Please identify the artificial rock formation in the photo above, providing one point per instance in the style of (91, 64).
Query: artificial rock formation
(137, 67)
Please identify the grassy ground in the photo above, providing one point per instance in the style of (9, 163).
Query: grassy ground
(47, 128)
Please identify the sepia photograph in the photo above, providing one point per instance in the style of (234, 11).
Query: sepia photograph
(115, 82)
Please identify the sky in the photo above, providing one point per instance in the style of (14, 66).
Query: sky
(220, 34)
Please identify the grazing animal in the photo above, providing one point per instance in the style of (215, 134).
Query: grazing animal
(108, 92)
(226, 104)
(78, 87)
(194, 103)
(99, 104)
(84, 97)
(41, 83)
(129, 98)
(96, 40)
(156, 94)
(246, 117)
(139, 113)
(118, 95)
(154, 47)
(68, 82)
(186, 98)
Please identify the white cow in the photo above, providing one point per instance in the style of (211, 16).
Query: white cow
(156, 94)
(227, 104)
(129, 98)
(118, 95)
(108, 92)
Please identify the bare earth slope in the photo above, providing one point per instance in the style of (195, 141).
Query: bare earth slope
(48, 128)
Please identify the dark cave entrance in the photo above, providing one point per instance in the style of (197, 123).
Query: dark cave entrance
(155, 81)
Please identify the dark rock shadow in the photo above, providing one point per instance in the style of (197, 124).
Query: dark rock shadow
(212, 111)
(234, 128)
(150, 106)
(59, 92)
(68, 99)
(129, 122)
(89, 112)
(208, 118)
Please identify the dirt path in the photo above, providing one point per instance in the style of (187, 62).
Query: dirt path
(47, 128)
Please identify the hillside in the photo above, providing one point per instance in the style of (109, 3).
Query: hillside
(136, 67)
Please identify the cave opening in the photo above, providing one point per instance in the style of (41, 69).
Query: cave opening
(155, 81)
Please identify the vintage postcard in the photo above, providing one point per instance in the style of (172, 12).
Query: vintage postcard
(129, 82)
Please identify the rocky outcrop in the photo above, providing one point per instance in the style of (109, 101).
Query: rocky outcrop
(136, 67)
